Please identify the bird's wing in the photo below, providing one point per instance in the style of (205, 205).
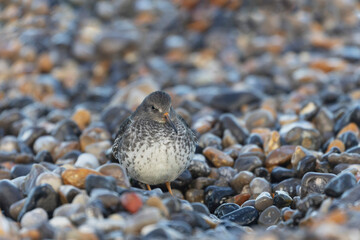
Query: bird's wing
(123, 126)
(192, 132)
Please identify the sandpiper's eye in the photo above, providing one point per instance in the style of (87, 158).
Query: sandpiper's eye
(153, 108)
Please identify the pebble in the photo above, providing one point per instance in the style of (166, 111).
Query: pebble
(93, 181)
(280, 156)
(247, 163)
(240, 180)
(131, 202)
(263, 201)
(301, 133)
(270, 216)
(306, 164)
(34, 218)
(12, 194)
(77, 177)
(279, 174)
(243, 216)
(217, 157)
(214, 196)
(87, 160)
(259, 185)
(282, 199)
(210, 140)
(53, 179)
(42, 196)
(116, 171)
(314, 182)
(225, 208)
(229, 121)
(339, 184)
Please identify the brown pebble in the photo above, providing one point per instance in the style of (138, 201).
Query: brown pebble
(280, 156)
(155, 201)
(77, 177)
(82, 118)
(195, 195)
(336, 143)
(352, 127)
(217, 157)
(272, 142)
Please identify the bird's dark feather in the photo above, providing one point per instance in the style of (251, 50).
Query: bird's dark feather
(123, 126)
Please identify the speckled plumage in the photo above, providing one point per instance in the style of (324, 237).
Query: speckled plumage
(152, 150)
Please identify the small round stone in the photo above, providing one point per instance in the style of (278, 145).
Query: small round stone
(77, 177)
(263, 201)
(242, 216)
(87, 160)
(217, 157)
(339, 184)
(259, 185)
(282, 199)
(50, 178)
(225, 208)
(270, 216)
(34, 218)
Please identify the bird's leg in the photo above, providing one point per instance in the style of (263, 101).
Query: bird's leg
(148, 187)
(168, 186)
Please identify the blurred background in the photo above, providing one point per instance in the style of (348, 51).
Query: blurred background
(101, 53)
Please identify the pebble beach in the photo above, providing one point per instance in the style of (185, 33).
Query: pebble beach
(271, 88)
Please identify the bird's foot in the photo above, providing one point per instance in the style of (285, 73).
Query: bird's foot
(168, 186)
(148, 187)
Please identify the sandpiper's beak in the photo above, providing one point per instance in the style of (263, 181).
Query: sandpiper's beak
(168, 120)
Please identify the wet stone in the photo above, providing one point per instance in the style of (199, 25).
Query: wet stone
(263, 201)
(199, 167)
(66, 130)
(259, 185)
(210, 140)
(131, 201)
(259, 119)
(262, 173)
(12, 194)
(349, 139)
(42, 196)
(53, 179)
(30, 179)
(301, 134)
(194, 195)
(229, 121)
(240, 180)
(313, 200)
(289, 185)
(202, 182)
(200, 207)
(339, 184)
(44, 156)
(247, 163)
(255, 139)
(214, 196)
(34, 218)
(47, 143)
(282, 199)
(20, 170)
(279, 174)
(225, 208)
(28, 135)
(67, 193)
(350, 158)
(77, 177)
(307, 164)
(270, 216)
(235, 98)
(87, 160)
(280, 156)
(243, 216)
(116, 171)
(217, 157)
(314, 182)
(96, 181)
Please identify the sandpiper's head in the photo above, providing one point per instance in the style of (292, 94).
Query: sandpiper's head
(157, 106)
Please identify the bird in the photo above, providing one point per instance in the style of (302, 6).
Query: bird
(154, 144)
